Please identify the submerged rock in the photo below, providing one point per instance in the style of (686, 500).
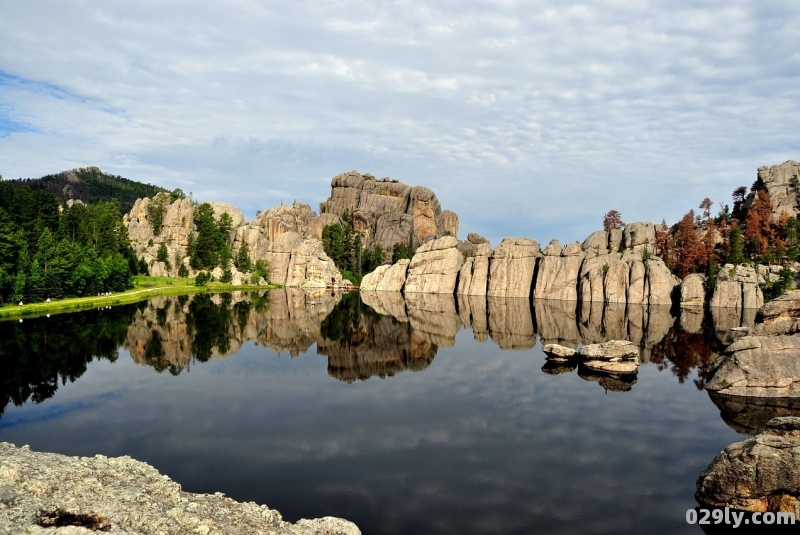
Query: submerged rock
(122, 495)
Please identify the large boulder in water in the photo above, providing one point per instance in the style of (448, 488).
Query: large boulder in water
(435, 267)
(759, 474)
(761, 366)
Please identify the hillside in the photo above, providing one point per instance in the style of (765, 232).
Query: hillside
(90, 185)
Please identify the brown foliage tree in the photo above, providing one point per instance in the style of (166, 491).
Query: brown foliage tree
(612, 219)
(690, 250)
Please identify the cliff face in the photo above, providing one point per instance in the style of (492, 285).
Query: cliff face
(385, 211)
(778, 179)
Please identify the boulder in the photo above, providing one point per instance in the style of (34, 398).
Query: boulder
(693, 290)
(780, 316)
(511, 268)
(727, 294)
(369, 283)
(559, 269)
(435, 267)
(477, 239)
(737, 287)
(279, 255)
(758, 474)
(591, 278)
(558, 352)
(761, 366)
(310, 267)
(613, 350)
(465, 277)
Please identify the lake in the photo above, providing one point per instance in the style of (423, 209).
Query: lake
(432, 414)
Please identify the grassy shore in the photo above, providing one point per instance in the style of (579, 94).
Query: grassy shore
(143, 288)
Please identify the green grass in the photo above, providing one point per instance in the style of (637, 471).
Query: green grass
(143, 288)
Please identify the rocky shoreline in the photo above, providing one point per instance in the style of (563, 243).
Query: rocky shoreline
(49, 493)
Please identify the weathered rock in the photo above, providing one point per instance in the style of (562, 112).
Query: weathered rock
(727, 294)
(614, 240)
(759, 474)
(596, 244)
(780, 316)
(128, 496)
(615, 349)
(559, 269)
(476, 238)
(737, 287)
(279, 255)
(435, 267)
(394, 278)
(591, 278)
(637, 236)
(616, 281)
(465, 277)
(660, 283)
(558, 352)
(450, 223)
(310, 267)
(511, 268)
(762, 366)
(693, 290)
(636, 294)
(778, 181)
(370, 281)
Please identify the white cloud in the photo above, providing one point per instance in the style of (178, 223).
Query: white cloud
(525, 118)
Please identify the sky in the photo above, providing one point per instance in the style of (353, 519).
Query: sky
(526, 118)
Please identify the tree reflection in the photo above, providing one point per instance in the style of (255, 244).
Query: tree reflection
(39, 353)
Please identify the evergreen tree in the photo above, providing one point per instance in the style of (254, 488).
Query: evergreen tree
(242, 261)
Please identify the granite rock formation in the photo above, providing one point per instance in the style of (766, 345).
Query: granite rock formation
(435, 267)
(760, 366)
(778, 181)
(737, 287)
(511, 268)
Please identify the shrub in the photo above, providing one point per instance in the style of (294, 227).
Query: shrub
(227, 276)
(202, 278)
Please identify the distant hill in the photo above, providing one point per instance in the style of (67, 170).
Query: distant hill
(90, 185)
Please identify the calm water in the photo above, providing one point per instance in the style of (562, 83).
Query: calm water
(429, 416)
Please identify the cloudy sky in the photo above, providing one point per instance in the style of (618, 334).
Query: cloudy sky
(527, 118)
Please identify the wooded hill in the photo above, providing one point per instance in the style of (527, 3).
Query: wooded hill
(91, 185)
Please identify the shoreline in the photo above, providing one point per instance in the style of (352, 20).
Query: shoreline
(134, 295)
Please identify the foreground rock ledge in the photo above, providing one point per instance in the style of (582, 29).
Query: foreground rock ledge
(122, 495)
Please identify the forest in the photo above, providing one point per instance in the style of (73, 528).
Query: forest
(49, 250)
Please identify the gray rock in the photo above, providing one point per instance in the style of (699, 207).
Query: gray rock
(693, 290)
(511, 267)
(558, 351)
(615, 349)
(638, 235)
(596, 244)
(761, 366)
(435, 267)
(758, 474)
(614, 367)
(130, 497)
(777, 179)
(476, 238)
(780, 316)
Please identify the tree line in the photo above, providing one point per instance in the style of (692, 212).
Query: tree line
(50, 250)
(743, 234)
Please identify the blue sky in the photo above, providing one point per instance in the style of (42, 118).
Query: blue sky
(526, 118)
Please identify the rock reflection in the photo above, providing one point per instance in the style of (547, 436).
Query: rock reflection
(749, 415)
(360, 343)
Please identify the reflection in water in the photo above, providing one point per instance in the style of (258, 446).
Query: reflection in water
(481, 442)
(38, 353)
(360, 343)
(374, 334)
(748, 415)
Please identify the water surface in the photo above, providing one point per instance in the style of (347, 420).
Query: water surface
(425, 415)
